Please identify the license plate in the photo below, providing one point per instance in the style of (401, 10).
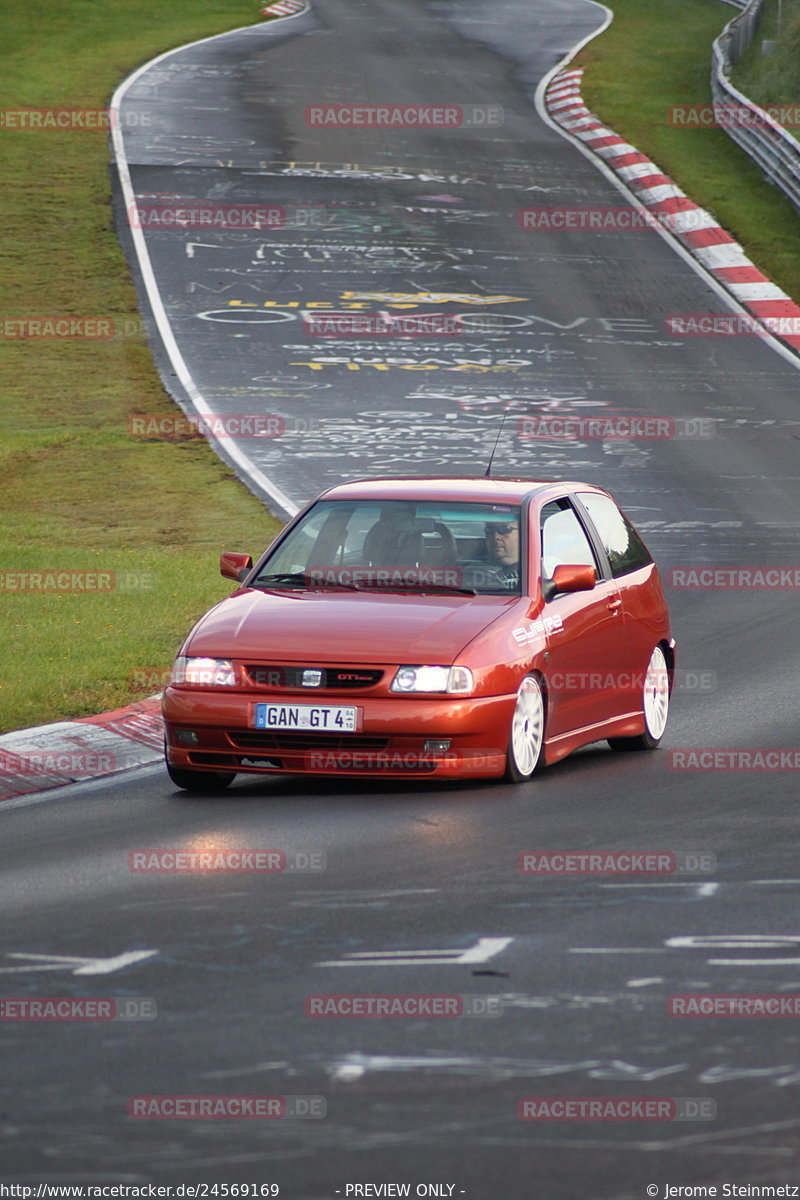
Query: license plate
(326, 718)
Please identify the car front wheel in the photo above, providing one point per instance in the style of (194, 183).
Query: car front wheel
(526, 737)
(655, 705)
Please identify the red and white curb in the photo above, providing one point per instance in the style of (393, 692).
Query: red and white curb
(48, 756)
(695, 228)
(284, 8)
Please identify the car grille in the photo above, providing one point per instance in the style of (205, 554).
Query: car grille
(244, 739)
(265, 676)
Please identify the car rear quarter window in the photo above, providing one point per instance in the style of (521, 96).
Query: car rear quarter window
(625, 549)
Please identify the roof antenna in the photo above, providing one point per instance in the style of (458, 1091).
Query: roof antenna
(496, 441)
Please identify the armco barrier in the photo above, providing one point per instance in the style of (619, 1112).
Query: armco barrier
(775, 151)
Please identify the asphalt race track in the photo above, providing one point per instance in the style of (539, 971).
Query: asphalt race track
(415, 891)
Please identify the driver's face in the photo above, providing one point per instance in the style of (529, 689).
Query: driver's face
(503, 542)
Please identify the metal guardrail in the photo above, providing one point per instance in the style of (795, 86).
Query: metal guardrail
(775, 151)
(739, 34)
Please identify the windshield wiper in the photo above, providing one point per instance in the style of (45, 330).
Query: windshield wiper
(323, 585)
(396, 586)
(297, 577)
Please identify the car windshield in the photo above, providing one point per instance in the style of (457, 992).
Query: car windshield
(400, 546)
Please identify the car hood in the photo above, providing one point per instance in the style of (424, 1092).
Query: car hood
(331, 626)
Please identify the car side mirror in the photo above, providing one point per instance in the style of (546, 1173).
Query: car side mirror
(235, 566)
(570, 578)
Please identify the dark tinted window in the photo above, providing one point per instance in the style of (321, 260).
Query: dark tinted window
(564, 541)
(625, 549)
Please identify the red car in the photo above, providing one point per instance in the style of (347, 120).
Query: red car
(427, 628)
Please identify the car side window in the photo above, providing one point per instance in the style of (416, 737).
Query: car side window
(625, 549)
(564, 540)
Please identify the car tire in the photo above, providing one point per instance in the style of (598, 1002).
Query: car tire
(199, 781)
(526, 735)
(655, 706)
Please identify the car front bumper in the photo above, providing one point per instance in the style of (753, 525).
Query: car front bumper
(389, 741)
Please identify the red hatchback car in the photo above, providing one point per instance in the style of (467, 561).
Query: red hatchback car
(427, 628)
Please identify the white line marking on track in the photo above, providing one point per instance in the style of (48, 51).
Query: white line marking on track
(616, 950)
(482, 951)
(77, 965)
(703, 889)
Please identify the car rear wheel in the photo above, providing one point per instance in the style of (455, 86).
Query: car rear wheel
(199, 781)
(655, 705)
(526, 736)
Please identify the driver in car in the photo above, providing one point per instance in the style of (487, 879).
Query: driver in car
(502, 546)
(497, 566)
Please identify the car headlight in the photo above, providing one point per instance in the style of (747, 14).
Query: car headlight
(452, 680)
(209, 672)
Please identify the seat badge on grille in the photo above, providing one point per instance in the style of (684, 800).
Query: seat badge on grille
(311, 678)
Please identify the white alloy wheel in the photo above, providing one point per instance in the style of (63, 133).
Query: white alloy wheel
(527, 731)
(656, 695)
(655, 706)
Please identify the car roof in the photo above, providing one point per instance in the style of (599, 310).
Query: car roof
(449, 487)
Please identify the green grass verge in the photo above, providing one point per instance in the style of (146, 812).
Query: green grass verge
(77, 491)
(773, 79)
(655, 56)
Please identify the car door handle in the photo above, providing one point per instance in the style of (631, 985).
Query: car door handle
(614, 604)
